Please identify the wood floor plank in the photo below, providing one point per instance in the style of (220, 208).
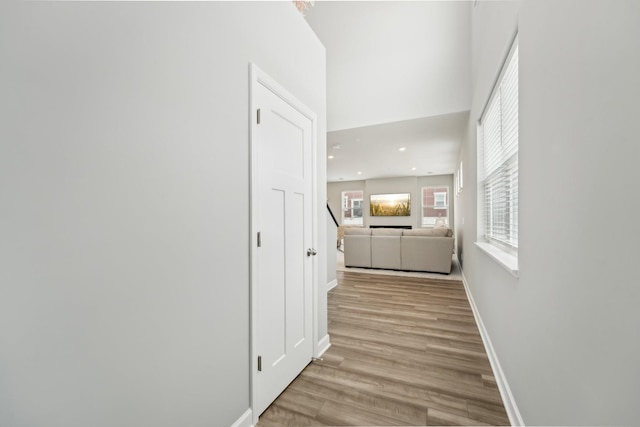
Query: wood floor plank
(387, 389)
(277, 415)
(392, 390)
(464, 390)
(301, 403)
(364, 398)
(405, 351)
(430, 360)
(337, 414)
(418, 366)
(486, 413)
(440, 418)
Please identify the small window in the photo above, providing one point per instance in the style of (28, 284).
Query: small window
(352, 204)
(435, 206)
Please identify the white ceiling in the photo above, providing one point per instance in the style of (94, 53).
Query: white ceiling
(431, 147)
(395, 70)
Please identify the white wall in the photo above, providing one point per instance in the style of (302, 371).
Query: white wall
(376, 39)
(124, 188)
(411, 184)
(565, 331)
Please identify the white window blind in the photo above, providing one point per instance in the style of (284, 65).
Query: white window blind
(499, 154)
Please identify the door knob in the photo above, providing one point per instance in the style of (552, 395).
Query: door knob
(311, 252)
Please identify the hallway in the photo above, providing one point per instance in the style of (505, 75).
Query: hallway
(405, 351)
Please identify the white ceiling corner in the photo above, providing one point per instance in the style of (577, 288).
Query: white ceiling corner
(392, 64)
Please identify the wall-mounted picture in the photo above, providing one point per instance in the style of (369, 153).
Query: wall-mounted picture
(390, 204)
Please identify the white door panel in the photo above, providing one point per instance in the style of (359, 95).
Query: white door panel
(283, 144)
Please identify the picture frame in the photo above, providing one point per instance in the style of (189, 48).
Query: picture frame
(395, 204)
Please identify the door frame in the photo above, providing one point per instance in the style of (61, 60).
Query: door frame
(259, 77)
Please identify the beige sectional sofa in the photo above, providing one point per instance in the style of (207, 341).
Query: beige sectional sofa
(422, 249)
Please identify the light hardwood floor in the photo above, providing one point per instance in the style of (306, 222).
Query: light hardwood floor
(405, 351)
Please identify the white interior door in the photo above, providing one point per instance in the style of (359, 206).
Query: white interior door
(282, 141)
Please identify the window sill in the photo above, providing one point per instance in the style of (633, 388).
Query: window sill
(506, 260)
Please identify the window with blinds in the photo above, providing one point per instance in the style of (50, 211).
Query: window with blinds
(498, 151)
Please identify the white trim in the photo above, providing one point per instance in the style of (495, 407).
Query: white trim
(244, 420)
(323, 346)
(257, 76)
(314, 216)
(506, 260)
(253, 186)
(503, 386)
(332, 284)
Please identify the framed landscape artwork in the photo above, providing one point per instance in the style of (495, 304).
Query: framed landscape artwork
(390, 204)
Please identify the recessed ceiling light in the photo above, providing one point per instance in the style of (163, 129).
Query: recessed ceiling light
(402, 148)
(329, 157)
(413, 169)
(429, 173)
(336, 146)
(359, 172)
(340, 179)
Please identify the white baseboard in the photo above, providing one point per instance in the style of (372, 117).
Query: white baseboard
(245, 420)
(505, 391)
(323, 346)
(332, 284)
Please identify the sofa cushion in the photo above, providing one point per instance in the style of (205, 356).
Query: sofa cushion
(386, 232)
(438, 231)
(433, 253)
(357, 250)
(385, 252)
(357, 231)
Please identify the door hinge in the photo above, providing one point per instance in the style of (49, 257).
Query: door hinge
(258, 114)
(259, 240)
(259, 363)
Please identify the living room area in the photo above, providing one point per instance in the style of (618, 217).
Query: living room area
(396, 241)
